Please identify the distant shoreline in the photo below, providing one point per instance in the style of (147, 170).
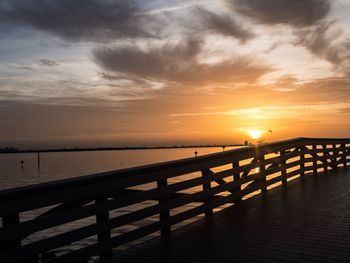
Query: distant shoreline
(13, 150)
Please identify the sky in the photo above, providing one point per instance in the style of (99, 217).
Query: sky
(121, 72)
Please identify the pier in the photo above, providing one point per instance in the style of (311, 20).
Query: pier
(281, 201)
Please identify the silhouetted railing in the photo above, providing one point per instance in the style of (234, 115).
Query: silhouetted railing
(168, 193)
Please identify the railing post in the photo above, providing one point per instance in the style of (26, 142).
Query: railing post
(207, 186)
(261, 158)
(325, 160)
(335, 153)
(10, 244)
(236, 177)
(106, 235)
(314, 161)
(333, 158)
(344, 156)
(302, 162)
(166, 214)
(283, 167)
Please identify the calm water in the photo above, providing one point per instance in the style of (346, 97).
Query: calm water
(62, 165)
(56, 166)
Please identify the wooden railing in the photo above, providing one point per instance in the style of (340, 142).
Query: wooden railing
(171, 192)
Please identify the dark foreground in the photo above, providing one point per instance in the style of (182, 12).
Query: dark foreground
(309, 221)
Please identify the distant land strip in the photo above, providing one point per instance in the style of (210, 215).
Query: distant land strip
(76, 149)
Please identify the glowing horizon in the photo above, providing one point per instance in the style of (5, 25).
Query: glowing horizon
(255, 134)
(138, 76)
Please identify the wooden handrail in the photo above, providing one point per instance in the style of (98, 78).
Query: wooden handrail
(210, 181)
(129, 172)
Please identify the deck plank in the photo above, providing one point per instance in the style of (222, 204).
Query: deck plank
(309, 221)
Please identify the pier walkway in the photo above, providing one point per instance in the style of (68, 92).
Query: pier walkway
(307, 221)
(281, 201)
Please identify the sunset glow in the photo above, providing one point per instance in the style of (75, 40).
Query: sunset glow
(255, 134)
(137, 76)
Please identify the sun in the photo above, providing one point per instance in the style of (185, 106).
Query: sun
(255, 134)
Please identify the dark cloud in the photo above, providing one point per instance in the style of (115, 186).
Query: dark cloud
(73, 92)
(48, 62)
(22, 66)
(223, 24)
(326, 91)
(126, 82)
(345, 111)
(309, 23)
(322, 40)
(177, 63)
(95, 20)
(153, 63)
(318, 40)
(297, 13)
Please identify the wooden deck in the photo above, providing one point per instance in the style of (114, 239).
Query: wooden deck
(307, 221)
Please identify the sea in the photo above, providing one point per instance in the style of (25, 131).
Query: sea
(21, 169)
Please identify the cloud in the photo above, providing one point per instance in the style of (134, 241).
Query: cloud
(286, 83)
(96, 20)
(223, 24)
(152, 63)
(177, 63)
(22, 66)
(69, 91)
(323, 41)
(210, 115)
(298, 13)
(267, 112)
(319, 40)
(309, 22)
(48, 62)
